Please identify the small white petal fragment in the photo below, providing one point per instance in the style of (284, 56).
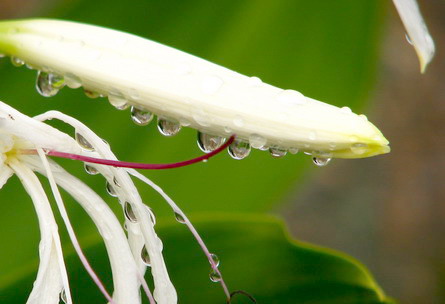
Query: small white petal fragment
(417, 31)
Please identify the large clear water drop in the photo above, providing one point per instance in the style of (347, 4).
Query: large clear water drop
(83, 143)
(129, 213)
(140, 116)
(239, 149)
(48, 84)
(208, 143)
(145, 256)
(277, 152)
(168, 127)
(321, 161)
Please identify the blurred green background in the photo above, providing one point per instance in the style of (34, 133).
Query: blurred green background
(328, 50)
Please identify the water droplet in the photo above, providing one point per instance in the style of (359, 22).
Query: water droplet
(90, 169)
(408, 38)
(211, 85)
(45, 84)
(115, 182)
(257, 141)
(238, 121)
(184, 122)
(17, 61)
(255, 81)
(91, 94)
(63, 296)
(293, 150)
(145, 256)
(277, 152)
(363, 117)
(168, 127)
(346, 110)
(214, 276)
(83, 143)
(179, 218)
(228, 130)
(151, 215)
(208, 143)
(118, 101)
(291, 98)
(129, 213)
(312, 135)
(110, 189)
(72, 81)
(201, 117)
(140, 116)
(215, 259)
(321, 161)
(239, 149)
(359, 148)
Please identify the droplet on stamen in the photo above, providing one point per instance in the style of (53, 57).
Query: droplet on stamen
(83, 143)
(129, 213)
(215, 259)
(321, 161)
(179, 218)
(141, 117)
(90, 169)
(215, 276)
(359, 148)
(17, 61)
(208, 143)
(72, 81)
(145, 256)
(293, 150)
(168, 127)
(110, 189)
(239, 149)
(277, 152)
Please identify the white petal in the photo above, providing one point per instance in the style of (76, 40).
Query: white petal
(417, 31)
(176, 85)
(5, 174)
(164, 290)
(125, 278)
(51, 276)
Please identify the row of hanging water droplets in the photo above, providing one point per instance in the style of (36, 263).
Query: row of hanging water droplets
(48, 84)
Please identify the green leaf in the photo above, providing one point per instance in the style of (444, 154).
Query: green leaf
(256, 256)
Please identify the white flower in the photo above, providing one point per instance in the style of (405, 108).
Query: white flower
(184, 90)
(20, 138)
(417, 31)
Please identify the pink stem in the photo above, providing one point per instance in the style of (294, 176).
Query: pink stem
(122, 164)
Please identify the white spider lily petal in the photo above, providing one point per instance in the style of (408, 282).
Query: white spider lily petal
(19, 132)
(417, 31)
(189, 90)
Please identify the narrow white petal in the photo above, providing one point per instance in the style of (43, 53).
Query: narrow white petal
(188, 89)
(51, 276)
(124, 269)
(164, 290)
(5, 174)
(417, 31)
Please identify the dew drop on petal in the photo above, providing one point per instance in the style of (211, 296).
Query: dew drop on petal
(346, 110)
(179, 218)
(255, 81)
(208, 143)
(291, 98)
(359, 148)
(239, 149)
(72, 81)
(83, 143)
(168, 127)
(17, 61)
(90, 169)
(140, 116)
(408, 38)
(118, 101)
(215, 259)
(145, 256)
(63, 296)
(321, 161)
(91, 93)
(214, 276)
(44, 84)
(110, 189)
(257, 141)
(129, 213)
(277, 152)
(293, 150)
(238, 121)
